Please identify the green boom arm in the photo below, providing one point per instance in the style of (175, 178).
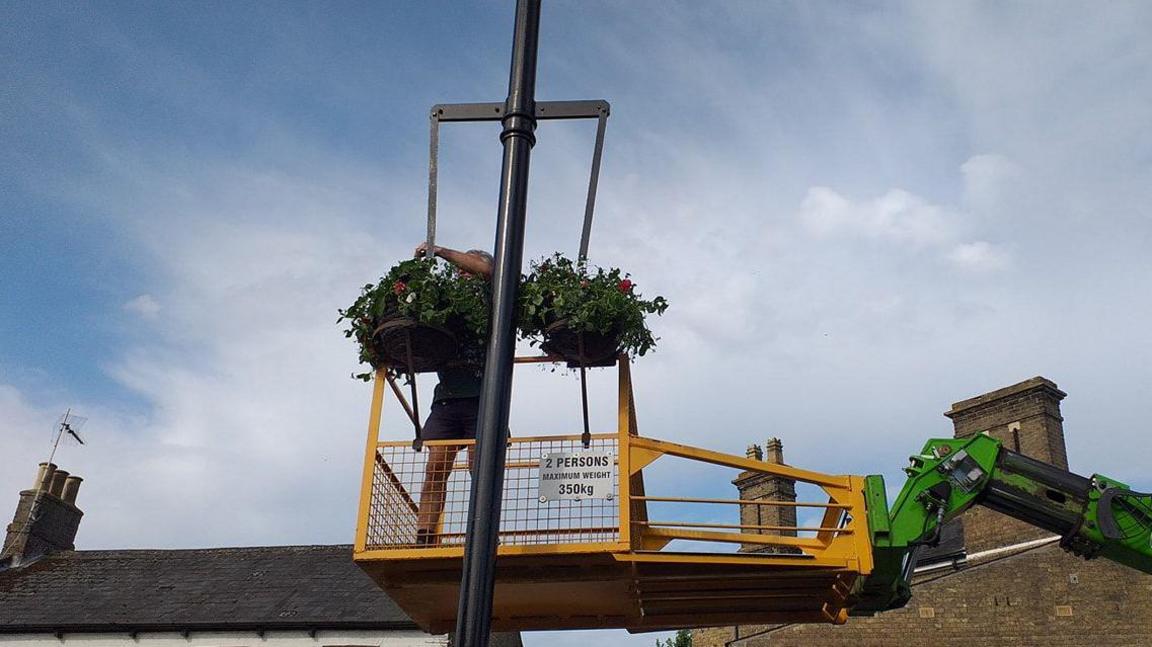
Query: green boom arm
(1096, 517)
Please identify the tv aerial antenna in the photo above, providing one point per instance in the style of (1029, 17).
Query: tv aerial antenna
(70, 424)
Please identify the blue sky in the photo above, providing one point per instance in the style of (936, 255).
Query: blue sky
(189, 84)
(861, 213)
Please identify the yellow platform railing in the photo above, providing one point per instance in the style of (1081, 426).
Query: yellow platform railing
(395, 476)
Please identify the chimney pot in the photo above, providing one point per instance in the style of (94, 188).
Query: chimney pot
(44, 476)
(57, 486)
(753, 451)
(774, 451)
(71, 489)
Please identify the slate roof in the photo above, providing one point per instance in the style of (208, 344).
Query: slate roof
(263, 588)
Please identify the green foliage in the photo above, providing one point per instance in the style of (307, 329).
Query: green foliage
(589, 299)
(426, 290)
(433, 292)
(683, 638)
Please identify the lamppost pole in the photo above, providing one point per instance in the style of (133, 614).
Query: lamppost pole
(474, 618)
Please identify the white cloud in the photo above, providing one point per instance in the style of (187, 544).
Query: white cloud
(144, 305)
(986, 178)
(902, 219)
(979, 256)
(27, 433)
(897, 216)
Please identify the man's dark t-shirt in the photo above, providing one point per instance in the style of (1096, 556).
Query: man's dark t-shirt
(457, 382)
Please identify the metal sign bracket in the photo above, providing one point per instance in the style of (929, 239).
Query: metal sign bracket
(597, 109)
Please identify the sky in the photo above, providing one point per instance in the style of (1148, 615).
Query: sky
(860, 213)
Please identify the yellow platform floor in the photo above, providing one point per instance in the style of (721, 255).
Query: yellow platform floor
(637, 591)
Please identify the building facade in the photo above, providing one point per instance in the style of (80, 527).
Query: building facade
(264, 596)
(993, 580)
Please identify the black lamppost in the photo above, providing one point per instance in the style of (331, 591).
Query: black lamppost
(474, 618)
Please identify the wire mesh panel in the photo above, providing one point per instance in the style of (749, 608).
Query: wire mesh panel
(420, 499)
(392, 502)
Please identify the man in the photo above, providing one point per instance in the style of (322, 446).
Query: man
(455, 405)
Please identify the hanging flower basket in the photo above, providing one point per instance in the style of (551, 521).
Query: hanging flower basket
(422, 315)
(580, 347)
(410, 346)
(588, 316)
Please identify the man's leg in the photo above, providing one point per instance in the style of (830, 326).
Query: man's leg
(436, 475)
(445, 422)
(469, 414)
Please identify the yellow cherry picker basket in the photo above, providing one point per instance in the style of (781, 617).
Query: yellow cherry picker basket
(578, 548)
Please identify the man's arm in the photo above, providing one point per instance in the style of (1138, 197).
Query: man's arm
(466, 261)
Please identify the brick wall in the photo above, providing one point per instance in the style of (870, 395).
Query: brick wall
(52, 528)
(1020, 600)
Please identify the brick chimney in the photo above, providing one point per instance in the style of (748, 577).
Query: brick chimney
(46, 517)
(1026, 418)
(757, 486)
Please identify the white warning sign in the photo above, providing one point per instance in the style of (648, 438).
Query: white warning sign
(577, 475)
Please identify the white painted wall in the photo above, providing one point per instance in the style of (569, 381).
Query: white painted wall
(413, 638)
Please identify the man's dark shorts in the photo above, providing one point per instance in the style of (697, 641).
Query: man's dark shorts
(452, 419)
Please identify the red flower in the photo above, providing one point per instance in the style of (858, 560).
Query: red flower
(398, 287)
(625, 286)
